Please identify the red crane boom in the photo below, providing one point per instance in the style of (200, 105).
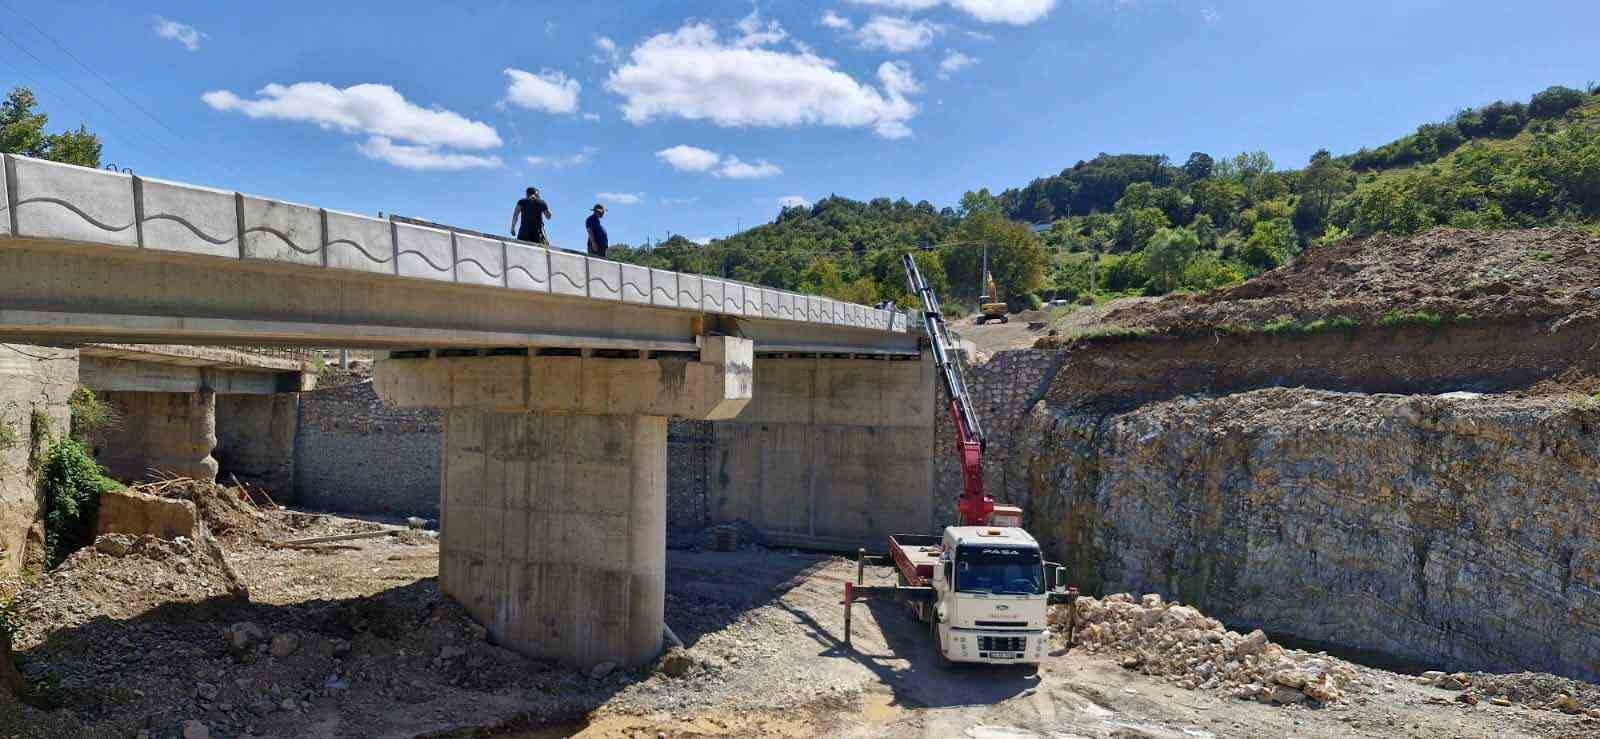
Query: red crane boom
(975, 506)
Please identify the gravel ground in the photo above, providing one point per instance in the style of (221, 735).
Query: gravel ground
(354, 640)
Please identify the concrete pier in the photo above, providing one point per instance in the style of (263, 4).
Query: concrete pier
(170, 433)
(554, 487)
(554, 531)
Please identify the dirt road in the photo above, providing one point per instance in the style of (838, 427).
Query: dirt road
(355, 640)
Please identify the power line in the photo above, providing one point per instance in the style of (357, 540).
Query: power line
(97, 75)
(80, 90)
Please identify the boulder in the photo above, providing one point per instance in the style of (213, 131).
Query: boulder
(142, 514)
(285, 644)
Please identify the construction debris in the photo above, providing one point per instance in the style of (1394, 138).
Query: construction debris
(315, 540)
(1181, 644)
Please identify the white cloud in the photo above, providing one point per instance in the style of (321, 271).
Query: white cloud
(689, 158)
(1209, 14)
(896, 35)
(423, 158)
(559, 162)
(753, 32)
(373, 109)
(182, 33)
(734, 169)
(793, 201)
(680, 201)
(591, 116)
(607, 50)
(837, 22)
(954, 61)
(694, 159)
(1014, 12)
(549, 91)
(692, 74)
(621, 198)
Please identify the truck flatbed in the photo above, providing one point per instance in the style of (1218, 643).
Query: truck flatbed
(915, 556)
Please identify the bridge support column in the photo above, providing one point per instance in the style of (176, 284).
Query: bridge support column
(553, 500)
(554, 531)
(165, 432)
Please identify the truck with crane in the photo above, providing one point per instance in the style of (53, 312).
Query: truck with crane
(982, 587)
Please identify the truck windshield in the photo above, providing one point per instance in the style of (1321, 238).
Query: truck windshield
(999, 570)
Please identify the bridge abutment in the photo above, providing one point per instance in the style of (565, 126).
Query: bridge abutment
(553, 497)
(171, 433)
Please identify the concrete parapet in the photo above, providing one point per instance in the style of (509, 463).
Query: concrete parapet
(554, 531)
(716, 385)
(57, 202)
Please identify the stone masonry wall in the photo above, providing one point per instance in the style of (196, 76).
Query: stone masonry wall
(32, 378)
(1003, 390)
(1459, 530)
(354, 454)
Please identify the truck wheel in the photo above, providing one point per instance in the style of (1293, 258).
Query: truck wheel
(1005, 319)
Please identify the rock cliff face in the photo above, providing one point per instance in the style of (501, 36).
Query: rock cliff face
(1460, 530)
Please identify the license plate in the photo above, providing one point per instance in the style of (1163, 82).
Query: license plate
(1004, 655)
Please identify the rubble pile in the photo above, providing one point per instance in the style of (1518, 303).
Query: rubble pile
(226, 511)
(1198, 653)
(1533, 689)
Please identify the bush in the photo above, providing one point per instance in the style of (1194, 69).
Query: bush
(90, 413)
(70, 485)
(8, 435)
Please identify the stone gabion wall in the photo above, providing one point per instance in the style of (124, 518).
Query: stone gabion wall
(356, 455)
(1003, 390)
(688, 467)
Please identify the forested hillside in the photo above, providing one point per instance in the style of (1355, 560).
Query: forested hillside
(1139, 223)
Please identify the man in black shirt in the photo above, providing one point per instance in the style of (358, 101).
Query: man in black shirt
(598, 241)
(531, 211)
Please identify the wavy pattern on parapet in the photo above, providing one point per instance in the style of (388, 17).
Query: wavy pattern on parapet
(662, 290)
(569, 280)
(360, 248)
(635, 289)
(602, 281)
(203, 236)
(424, 257)
(524, 270)
(708, 299)
(281, 237)
(91, 220)
(692, 299)
(481, 268)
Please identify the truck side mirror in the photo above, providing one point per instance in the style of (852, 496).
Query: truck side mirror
(949, 570)
(1061, 579)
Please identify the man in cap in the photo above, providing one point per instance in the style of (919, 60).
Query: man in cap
(598, 241)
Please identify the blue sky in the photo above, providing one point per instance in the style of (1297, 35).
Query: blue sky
(698, 117)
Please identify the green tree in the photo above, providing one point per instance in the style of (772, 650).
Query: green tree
(22, 131)
(1199, 165)
(1016, 256)
(1271, 243)
(1167, 256)
(1136, 226)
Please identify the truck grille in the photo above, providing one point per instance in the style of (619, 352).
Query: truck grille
(1002, 643)
(1010, 624)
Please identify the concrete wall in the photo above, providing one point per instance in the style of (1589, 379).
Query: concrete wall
(354, 454)
(256, 440)
(554, 531)
(171, 433)
(31, 378)
(829, 452)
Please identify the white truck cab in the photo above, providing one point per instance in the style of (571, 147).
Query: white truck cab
(991, 596)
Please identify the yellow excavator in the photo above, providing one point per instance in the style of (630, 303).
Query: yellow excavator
(991, 306)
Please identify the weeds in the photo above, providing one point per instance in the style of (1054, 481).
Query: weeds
(1287, 325)
(8, 435)
(90, 413)
(1542, 256)
(1397, 319)
(40, 431)
(70, 485)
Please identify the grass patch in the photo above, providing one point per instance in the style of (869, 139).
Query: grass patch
(1541, 256)
(1109, 333)
(1287, 325)
(1397, 319)
(8, 435)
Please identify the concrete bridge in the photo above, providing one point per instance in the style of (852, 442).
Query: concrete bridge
(557, 372)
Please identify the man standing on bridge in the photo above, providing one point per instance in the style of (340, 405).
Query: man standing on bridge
(531, 210)
(598, 241)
